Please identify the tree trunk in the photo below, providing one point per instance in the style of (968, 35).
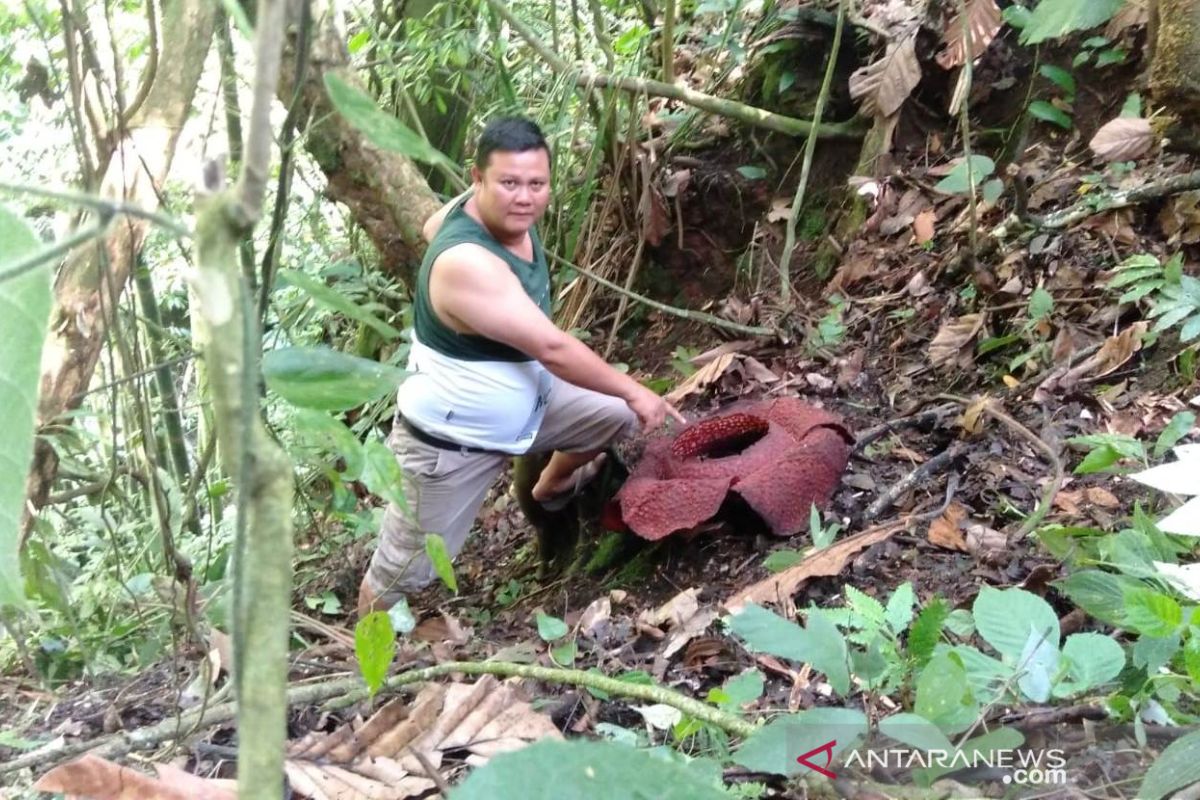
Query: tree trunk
(1175, 69)
(385, 191)
(91, 281)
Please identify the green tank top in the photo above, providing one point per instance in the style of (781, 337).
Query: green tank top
(460, 228)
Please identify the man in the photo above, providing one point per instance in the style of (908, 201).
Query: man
(491, 375)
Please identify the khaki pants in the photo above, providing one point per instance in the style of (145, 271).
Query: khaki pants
(445, 488)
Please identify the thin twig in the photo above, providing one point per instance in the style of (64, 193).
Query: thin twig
(885, 500)
(714, 105)
(52, 253)
(965, 128)
(1043, 507)
(810, 147)
(350, 690)
(685, 313)
(927, 417)
(104, 208)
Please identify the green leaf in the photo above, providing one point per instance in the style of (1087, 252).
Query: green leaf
(1179, 426)
(1100, 594)
(829, 652)
(782, 559)
(915, 731)
(926, 631)
(956, 182)
(1054, 18)
(1190, 329)
(24, 312)
(599, 770)
(1004, 619)
(899, 611)
(1017, 16)
(865, 606)
(1151, 613)
(1036, 666)
(333, 299)
(1114, 55)
(1091, 659)
(1141, 290)
(374, 647)
(564, 653)
(995, 343)
(321, 378)
(1098, 460)
(960, 623)
(1152, 654)
(766, 632)
(329, 436)
(752, 173)
(944, 695)
(1049, 112)
(551, 628)
(358, 41)
(742, 689)
(992, 190)
(1041, 304)
(1178, 766)
(1130, 275)
(382, 474)
(435, 548)
(1059, 77)
(382, 129)
(401, 617)
(774, 747)
(1132, 107)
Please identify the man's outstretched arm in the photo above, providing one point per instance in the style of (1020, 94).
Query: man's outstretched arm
(479, 292)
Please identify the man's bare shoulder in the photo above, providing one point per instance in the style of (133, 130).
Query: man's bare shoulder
(469, 260)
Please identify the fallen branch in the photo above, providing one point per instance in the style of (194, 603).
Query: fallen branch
(350, 690)
(885, 500)
(1043, 507)
(706, 102)
(927, 417)
(685, 313)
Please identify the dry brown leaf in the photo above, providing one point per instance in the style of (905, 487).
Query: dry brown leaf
(852, 270)
(781, 209)
(757, 370)
(701, 378)
(1131, 13)
(953, 338)
(93, 778)
(1115, 351)
(884, 85)
(735, 346)
(946, 530)
(1072, 501)
(1180, 218)
(971, 420)
(983, 17)
(985, 543)
(682, 616)
(780, 588)
(923, 226)
(1122, 139)
(386, 757)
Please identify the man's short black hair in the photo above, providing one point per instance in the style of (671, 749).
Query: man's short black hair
(509, 135)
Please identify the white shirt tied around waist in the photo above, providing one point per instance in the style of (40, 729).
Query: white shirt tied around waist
(493, 405)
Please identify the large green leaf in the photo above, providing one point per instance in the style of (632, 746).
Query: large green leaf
(1178, 766)
(321, 378)
(821, 645)
(1054, 18)
(382, 129)
(1004, 619)
(382, 474)
(580, 770)
(958, 182)
(24, 310)
(979, 747)
(335, 300)
(374, 647)
(915, 731)
(1091, 659)
(944, 695)
(1101, 594)
(775, 746)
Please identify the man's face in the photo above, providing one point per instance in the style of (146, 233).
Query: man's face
(513, 190)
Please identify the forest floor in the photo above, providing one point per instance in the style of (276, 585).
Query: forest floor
(903, 283)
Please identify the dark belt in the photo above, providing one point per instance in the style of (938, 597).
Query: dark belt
(437, 441)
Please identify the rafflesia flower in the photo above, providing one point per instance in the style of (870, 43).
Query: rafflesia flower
(781, 456)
